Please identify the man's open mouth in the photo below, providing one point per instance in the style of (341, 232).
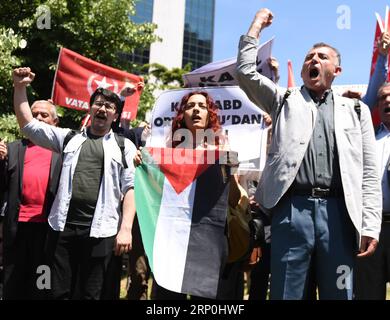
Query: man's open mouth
(313, 73)
(101, 116)
(386, 110)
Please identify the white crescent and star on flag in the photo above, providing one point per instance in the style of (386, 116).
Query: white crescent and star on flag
(98, 81)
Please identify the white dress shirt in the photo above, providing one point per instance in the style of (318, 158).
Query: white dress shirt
(383, 153)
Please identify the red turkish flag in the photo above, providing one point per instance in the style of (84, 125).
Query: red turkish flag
(388, 30)
(77, 77)
(375, 51)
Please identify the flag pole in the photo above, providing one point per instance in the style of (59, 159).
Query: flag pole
(55, 75)
(380, 22)
(85, 122)
(290, 75)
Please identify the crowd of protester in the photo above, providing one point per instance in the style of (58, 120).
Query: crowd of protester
(67, 197)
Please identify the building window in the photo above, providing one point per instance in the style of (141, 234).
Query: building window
(143, 13)
(198, 32)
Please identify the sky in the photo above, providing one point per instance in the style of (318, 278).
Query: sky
(348, 25)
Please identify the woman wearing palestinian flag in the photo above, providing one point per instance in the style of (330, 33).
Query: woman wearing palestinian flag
(182, 197)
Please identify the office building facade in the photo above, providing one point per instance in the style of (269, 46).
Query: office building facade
(186, 28)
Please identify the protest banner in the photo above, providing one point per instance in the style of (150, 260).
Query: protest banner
(223, 73)
(237, 114)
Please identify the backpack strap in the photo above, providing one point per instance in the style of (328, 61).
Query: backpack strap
(279, 110)
(69, 137)
(120, 140)
(357, 107)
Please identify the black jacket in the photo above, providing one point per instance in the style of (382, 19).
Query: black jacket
(11, 174)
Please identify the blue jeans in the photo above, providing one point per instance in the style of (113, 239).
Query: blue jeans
(304, 227)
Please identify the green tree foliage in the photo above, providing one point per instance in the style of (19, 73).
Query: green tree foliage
(33, 31)
(9, 42)
(97, 29)
(9, 128)
(157, 78)
(168, 78)
(70, 118)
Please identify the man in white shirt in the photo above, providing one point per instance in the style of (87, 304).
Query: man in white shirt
(372, 273)
(88, 218)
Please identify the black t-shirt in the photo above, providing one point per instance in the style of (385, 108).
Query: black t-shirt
(86, 181)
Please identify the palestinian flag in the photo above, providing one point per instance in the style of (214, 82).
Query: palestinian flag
(181, 199)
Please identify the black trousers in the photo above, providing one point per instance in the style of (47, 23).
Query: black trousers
(259, 276)
(21, 260)
(138, 267)
(372, 273)
(112, 279)
(78, 263)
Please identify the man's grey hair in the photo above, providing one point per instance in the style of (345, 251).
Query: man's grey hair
(53, 108)
(323, 44)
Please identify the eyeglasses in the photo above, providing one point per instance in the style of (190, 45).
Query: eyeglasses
(191, 105)
(110, 106)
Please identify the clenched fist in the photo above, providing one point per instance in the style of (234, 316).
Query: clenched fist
(263, 19)
(22, 77)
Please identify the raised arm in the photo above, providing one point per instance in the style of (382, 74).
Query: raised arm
(380, 74)
(42, 134)
(259, 89)
(22, 77)
(263, 18)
